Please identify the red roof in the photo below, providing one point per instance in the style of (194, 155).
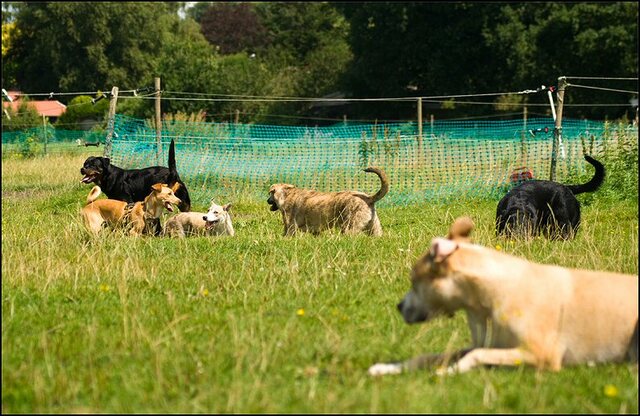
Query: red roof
(45, 107)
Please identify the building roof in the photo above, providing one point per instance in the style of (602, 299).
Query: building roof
(48, 108)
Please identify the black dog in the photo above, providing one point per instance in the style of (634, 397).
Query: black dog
(133, 185)
(544, 206)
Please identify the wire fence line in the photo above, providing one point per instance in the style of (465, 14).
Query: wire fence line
(452, 159)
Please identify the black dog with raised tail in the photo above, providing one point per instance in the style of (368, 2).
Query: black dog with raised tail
(546, 207)
(133, 185)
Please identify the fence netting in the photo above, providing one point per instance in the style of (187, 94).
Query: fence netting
(450, 159)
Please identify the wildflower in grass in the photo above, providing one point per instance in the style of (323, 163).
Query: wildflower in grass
(300, 312)
(498, 247)
(205, 292)
(104, 288)
(610, 390)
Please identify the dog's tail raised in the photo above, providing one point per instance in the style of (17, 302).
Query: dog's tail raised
(384, 184)
(594, 183)
(172, 160)
(182, 193)
(94, 193)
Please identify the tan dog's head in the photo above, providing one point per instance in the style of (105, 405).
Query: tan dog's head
(278, 194)
(433, 289)
(165, 195)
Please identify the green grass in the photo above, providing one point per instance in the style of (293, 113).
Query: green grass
(259, 323)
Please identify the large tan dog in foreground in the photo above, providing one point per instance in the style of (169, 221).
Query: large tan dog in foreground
(308, 210)
(519, 312)
(139, 216)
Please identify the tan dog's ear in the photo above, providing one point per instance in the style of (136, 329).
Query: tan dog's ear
(227, 207)
(176, 186)
(461, 229)
(157, 187)
(441, 248)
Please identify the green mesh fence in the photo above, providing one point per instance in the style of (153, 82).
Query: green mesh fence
(38, 141)
(453, 158)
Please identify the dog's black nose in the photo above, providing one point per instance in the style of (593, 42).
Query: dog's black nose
(204, 217)
(400, 305)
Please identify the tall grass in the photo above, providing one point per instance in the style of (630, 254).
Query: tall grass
(259, 322)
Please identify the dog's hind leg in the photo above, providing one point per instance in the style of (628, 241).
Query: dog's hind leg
(92, 222)
(375, 228)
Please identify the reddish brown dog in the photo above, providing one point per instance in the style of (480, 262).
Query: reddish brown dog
(120, 213)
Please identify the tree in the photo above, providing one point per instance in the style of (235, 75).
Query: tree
(86, 46)
(573, 39)
(467, 48)
(232, 27)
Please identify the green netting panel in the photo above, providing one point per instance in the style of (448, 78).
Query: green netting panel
(453, 159)
(38, 141)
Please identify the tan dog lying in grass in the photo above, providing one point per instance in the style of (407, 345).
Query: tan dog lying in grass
(216, 221)
(519, 312)
(140, 216)
(308, 210)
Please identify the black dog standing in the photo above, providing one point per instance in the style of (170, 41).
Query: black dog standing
(133, 185)
(544, 206)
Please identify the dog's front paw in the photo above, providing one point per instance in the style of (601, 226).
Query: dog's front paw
(446, 371)
(382, 369)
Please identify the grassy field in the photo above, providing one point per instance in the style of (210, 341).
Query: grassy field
(259, 323)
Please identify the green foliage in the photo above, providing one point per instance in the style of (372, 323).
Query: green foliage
(28, 147)
(86, 46)
(312, 49)
(81, 108)
(618, 152)
(490, 47)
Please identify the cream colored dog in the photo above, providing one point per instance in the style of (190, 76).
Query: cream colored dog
(216, 221)
(307, 210)
(519, 312)
(140, 217)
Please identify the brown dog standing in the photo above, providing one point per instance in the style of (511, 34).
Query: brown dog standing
(308, 210)
(519, 312)
(137, 215)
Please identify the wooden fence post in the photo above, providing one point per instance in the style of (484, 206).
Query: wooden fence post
(419, 123)
(523, 144)
(158, 122)
(113, 101)
(44, 131)
(557, 131)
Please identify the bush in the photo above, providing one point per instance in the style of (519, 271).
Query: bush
(22, 118)
(81, 108)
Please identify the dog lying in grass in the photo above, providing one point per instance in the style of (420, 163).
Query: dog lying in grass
(551, 208)
(216, 221)
(519, 312)
(313, 211)
(140, 217)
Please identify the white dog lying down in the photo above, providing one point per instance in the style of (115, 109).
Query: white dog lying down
(216, 221)
(519, 312)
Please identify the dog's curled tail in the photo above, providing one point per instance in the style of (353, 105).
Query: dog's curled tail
(594, 183)
(93, 194)
(384, 184)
